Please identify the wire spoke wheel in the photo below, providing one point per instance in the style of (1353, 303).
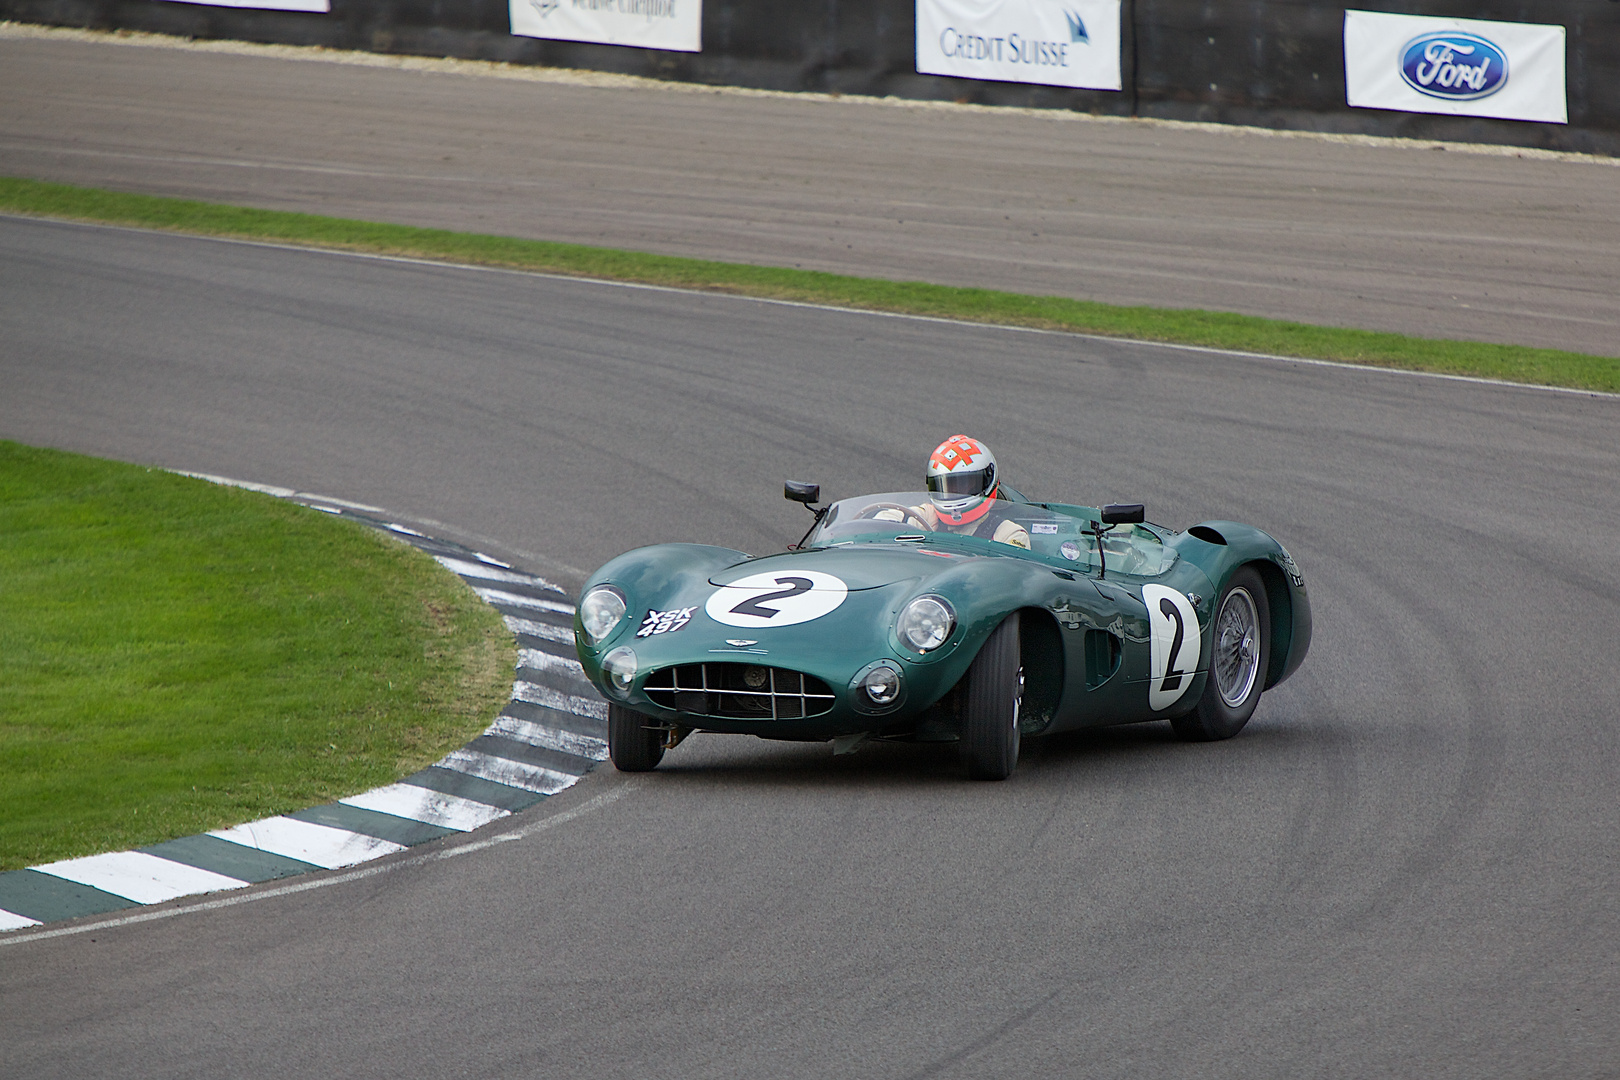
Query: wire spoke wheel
(1236, 659)
(1239, 650)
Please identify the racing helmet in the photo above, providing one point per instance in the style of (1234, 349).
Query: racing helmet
(961, 479)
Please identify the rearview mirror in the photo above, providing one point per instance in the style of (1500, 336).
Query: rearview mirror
(1119, 513)
(799, 491)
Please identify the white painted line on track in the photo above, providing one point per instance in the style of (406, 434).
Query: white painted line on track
(540, 660)
(423, 804)
(511, 599)
(1370, 369)
(308, 842)
(544, 631)
(137, 876)
(488, 572)
(523, 833)
(585, 746)
(535, 694)
(247, 485)
(10, 920)
(518, 774)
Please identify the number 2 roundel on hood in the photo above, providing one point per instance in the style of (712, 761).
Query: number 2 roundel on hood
(776, 598)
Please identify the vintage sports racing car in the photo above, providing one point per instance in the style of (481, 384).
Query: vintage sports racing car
(874, 626)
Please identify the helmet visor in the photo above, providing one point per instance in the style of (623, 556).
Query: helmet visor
(961, 485)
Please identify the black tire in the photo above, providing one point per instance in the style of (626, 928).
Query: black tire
(633, 746)
(1240, 652)
(995, 689)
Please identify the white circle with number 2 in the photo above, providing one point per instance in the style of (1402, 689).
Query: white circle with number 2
(782, 598)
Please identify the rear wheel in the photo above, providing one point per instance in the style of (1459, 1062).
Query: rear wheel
(633, 745)
(995, 690)
(1240, 650)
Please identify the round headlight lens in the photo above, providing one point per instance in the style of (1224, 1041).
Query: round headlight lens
(619, 666)
(882, 685)
(601, 611)
(926, 623)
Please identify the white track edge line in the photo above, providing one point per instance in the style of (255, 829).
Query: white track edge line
(1209, 349)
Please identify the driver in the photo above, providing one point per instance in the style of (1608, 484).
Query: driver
(963, 491)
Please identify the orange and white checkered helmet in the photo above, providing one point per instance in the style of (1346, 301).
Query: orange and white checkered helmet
(961, 479)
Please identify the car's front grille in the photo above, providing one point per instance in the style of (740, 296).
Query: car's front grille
(739, 692)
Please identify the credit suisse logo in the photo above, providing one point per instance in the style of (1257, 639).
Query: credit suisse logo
(1454, 65)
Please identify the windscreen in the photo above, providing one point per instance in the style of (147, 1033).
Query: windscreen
(1056, 536)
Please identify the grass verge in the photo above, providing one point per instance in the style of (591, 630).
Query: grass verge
(1549, 367)
(177, 656)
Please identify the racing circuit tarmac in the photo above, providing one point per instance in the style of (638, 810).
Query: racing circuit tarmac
(1420, 241)
(1404, 866)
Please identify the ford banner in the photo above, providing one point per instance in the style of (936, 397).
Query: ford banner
(676, 25)
(1052, 42)
(1464, 67)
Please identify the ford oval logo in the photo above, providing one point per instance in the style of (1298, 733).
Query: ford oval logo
(1454, 65)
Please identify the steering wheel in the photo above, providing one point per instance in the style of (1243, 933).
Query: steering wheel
(871, 511)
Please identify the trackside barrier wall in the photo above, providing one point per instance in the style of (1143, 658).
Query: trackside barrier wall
(1271, 63)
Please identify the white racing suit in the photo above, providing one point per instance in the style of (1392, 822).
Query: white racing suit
(997, 528)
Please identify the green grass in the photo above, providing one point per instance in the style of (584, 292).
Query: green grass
(1190, 327)
(177, 656)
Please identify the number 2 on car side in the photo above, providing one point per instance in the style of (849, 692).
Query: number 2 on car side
(1175, 645)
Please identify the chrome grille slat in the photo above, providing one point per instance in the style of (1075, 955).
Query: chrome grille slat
(718, 689)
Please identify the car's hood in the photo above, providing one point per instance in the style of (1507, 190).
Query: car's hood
(858, 566)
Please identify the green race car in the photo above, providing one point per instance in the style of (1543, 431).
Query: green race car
(877, 626)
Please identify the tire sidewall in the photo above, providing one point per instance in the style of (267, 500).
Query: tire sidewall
(632, 747)
(990, 737)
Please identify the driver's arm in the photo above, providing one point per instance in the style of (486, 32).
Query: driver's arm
(922, 517)
(1010, 532)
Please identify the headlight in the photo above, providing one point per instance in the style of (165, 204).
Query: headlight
(926, 623)
(600, 612)
(620, 668)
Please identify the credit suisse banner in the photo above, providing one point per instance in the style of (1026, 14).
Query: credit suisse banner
(1462, 67)
(1051, 42)
(676, 25)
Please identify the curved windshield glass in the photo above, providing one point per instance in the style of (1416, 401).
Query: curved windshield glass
(1062, 535)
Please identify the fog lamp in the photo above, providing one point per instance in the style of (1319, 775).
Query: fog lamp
(620, 668)
(882, 685)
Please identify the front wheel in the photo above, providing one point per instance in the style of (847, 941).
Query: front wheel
(995, 690)
(633, 744)
(1240, 649)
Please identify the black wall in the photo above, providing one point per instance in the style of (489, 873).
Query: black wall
(1273, 63)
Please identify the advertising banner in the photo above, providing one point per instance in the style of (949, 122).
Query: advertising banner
(317, 6)
(1461, 67)
(676, 25)
(1051, 42)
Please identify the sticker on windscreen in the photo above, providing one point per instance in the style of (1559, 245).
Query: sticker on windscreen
(1174, 647)
(776, 599)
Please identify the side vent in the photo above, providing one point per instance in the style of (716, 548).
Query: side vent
(1207, 535)
(1102, 657)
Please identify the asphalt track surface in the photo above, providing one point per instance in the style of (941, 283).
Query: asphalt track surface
(1405, 865)
(1436, 244)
